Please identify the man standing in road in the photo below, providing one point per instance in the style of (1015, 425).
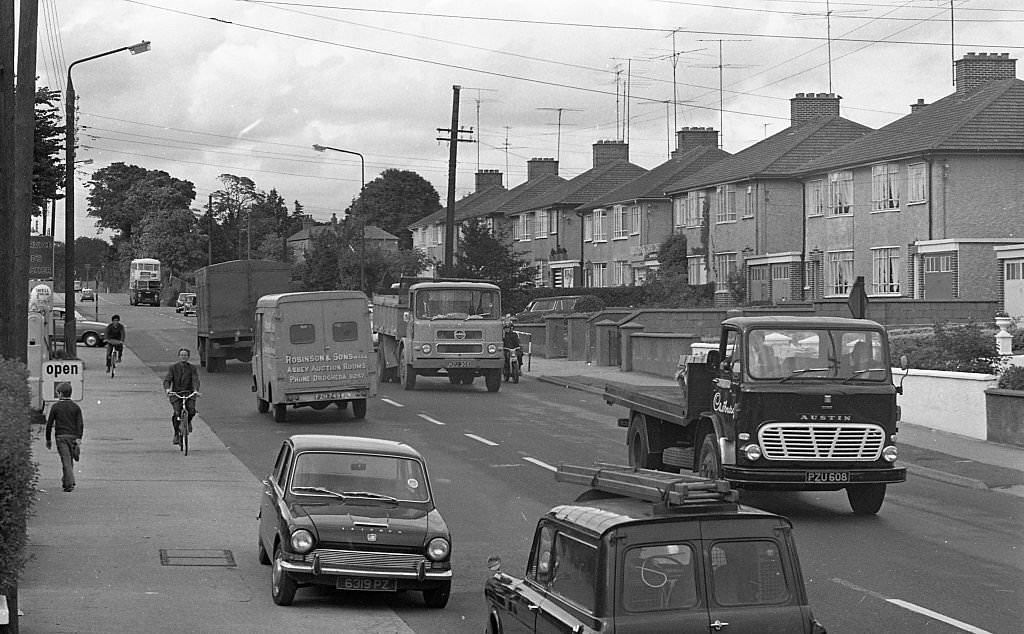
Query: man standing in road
(182, 379)
(66, 417)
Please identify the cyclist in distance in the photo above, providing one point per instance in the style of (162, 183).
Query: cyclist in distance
(182, 378)
(114, 336)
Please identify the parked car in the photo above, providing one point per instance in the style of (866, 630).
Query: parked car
(185, 303)
(88, 295)
(354, 514)
(537, 309)
(89, 332)
(648, 551)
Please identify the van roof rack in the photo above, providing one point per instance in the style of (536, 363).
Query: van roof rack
(671, 489)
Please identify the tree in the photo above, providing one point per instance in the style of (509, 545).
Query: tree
(483, 255)
(394, 200)
(672, 256)
(47, 169)
(319, 271)
(173, 237)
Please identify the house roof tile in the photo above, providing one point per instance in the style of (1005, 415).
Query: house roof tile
(586, 187)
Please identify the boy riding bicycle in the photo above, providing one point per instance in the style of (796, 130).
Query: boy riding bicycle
(182, 378)
(114, 336)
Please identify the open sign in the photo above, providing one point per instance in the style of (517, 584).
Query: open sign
(60, 371)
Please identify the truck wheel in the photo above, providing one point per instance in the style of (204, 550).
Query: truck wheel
(407, 375)
(493, 380)
(639, 446)
(865, 499)
(359, 408)
(709, 464)
(280, 413)
(262, 406)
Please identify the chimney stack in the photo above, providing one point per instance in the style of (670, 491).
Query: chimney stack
(914, 107)
(689, 138)
(537, 167)
(606, 152)
(488, 178)
(806, 106)
(974, 69)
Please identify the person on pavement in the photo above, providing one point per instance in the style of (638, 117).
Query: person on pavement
(182, 378)
(114, 336)
(66, 420)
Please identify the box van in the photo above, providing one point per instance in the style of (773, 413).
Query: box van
(313, 349)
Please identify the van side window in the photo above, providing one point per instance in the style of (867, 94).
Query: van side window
(345, 331)
(302, 333)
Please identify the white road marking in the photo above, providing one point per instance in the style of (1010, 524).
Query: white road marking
(431, 420)
(906, 605)
(390, 402)
(540, 463)
(489, 443)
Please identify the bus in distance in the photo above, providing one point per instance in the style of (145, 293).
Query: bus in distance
(144, 282)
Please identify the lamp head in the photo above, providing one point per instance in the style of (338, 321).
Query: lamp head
(141, 47)
(318, 148)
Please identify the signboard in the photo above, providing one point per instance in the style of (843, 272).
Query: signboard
(63, 371)
(40, 257)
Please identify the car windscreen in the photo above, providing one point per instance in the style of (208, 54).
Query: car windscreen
(793, 354)
(352, 473)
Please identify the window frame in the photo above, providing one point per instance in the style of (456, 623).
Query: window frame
(838, 272)
(886, 271)
(885, 187)
(840, 193)
(917, 183)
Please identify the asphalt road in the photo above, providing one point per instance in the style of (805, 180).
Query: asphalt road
(938, 558)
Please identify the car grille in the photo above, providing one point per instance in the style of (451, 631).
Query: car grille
(837, 442)
(460, 348)
(367, 559)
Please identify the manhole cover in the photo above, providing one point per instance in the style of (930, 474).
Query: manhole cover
(196, 557)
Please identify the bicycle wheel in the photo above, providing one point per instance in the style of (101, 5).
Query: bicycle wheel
(184, 439)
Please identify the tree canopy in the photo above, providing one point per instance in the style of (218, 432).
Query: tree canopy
(483, 255)
(396, 199)
(47, 168)
(121, 196)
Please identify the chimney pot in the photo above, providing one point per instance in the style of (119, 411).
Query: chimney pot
(973, 70)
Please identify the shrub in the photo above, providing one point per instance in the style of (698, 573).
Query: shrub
(17, 471)
(1012, 378)
(956, 348)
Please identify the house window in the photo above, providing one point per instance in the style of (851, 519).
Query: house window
(634, 220)
(542, 224)
(885, 187)
(588, 228)
(696, 270)
(840, 193)
(815, 198)
(1014, 271)
(780, 271)
(438, 235)
(725, 267)
(621, 219)
(600, 274)
(528, 225)
(600, 230)
(679, 212)
(694, 209)
(552, 223)
(885, 266)
(839, 278)
(623, 273)
(748, 202)
(917, 183)
(938, 264)
(726, 196)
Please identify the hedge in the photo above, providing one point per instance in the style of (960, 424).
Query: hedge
(18, 473)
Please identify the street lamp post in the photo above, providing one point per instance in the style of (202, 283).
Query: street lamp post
(362, 226)
(69, 198)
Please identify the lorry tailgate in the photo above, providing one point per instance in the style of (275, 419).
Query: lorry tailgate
(664, 402)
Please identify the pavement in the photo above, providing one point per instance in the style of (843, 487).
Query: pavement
(151, 540)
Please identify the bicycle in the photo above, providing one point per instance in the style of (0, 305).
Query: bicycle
(184, 427)
(114, 345)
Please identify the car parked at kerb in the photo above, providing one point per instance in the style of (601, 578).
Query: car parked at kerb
(354, 514)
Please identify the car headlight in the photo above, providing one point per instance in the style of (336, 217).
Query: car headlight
(752, 452)
(491, 348)
(890, 453)
(302, 541)
(425, 348)
(438, 549)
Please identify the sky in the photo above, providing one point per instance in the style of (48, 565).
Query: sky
(247, 87)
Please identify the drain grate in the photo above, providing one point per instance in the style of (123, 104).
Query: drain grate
(196, 557)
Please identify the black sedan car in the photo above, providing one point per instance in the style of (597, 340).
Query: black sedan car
(355, 514)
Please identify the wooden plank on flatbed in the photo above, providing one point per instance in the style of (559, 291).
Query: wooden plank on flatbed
(664, 402)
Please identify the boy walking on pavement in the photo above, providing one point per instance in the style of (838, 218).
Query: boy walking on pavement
(66, 418)
(182, 378)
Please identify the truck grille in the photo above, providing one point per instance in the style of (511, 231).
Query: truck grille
(367, 559)
(460, 348)
(836, 442)
(466, 334)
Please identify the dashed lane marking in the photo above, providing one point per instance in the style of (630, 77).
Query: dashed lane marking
(480, 439)
(431, 420)
(539, 463)
(907, 605)
(390, 402)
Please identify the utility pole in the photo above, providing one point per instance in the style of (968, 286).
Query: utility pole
(453, 140)
(209, 231)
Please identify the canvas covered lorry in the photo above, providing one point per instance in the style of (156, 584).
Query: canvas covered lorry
(790, 403)
(226, 295)
(440, 328)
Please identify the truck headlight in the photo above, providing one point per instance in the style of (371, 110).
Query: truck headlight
(425, 348)
(752, 452)
(491, 348)
(302, 541)
(438, 549)
(890, 453)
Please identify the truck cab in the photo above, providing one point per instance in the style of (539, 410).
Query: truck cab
(649, 552)
(313, 349)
